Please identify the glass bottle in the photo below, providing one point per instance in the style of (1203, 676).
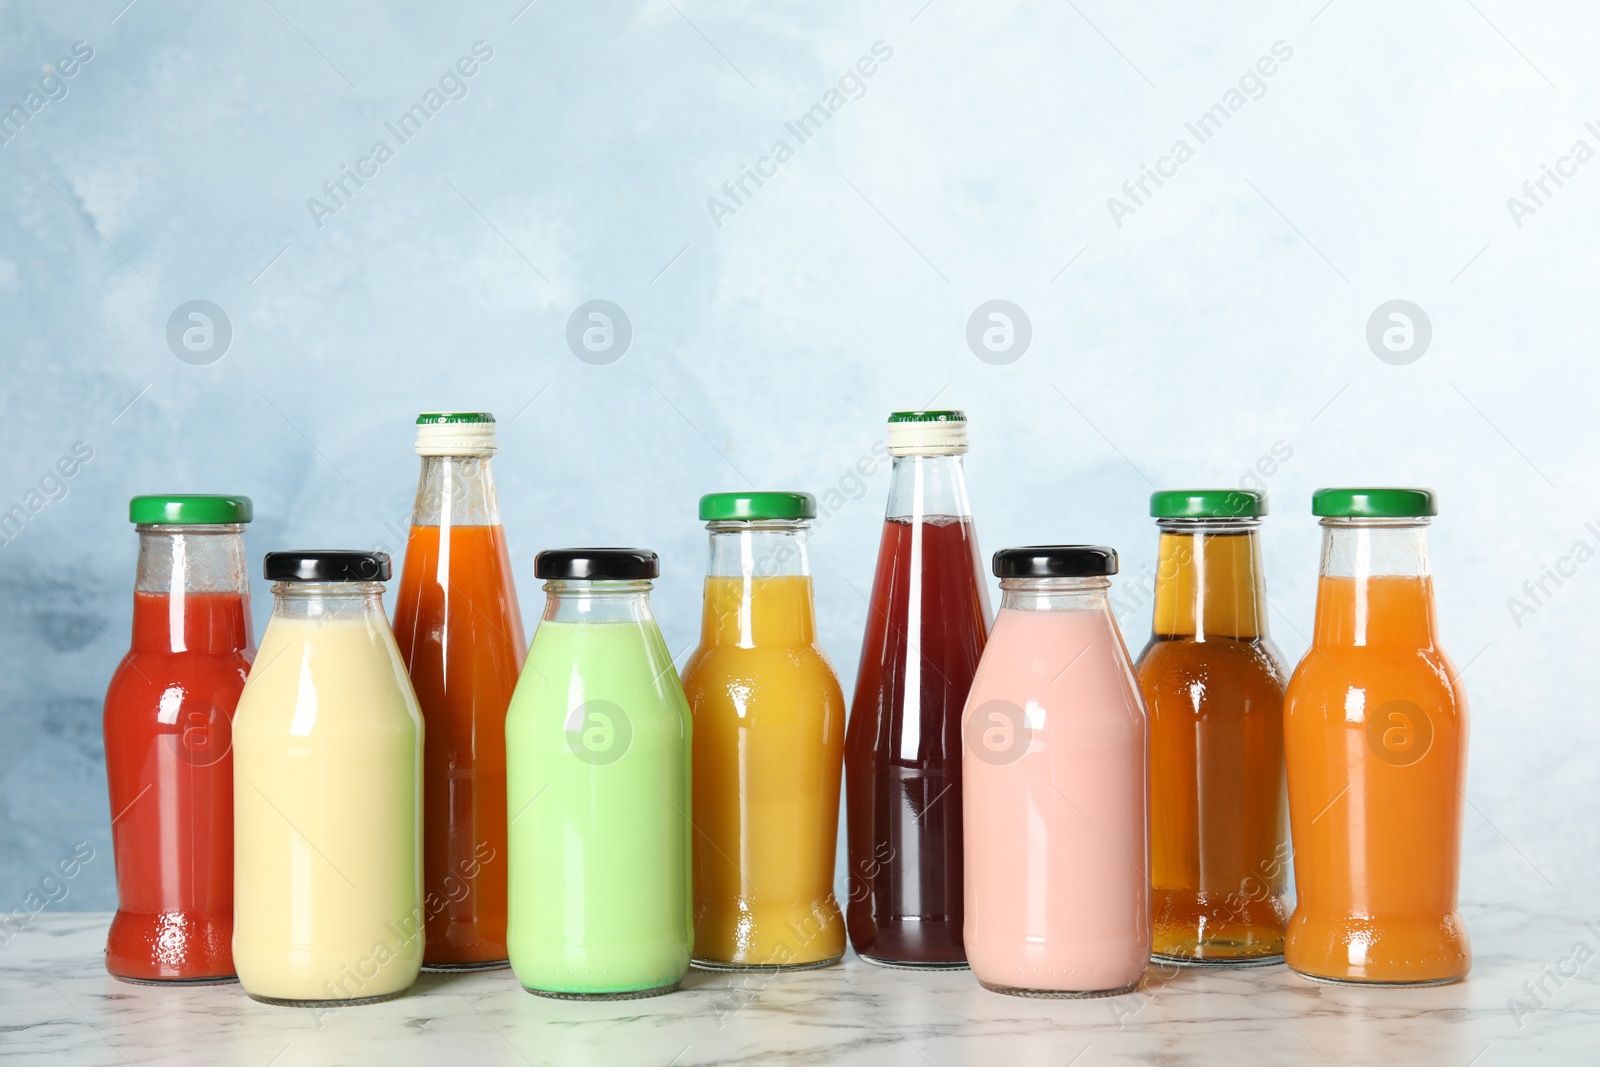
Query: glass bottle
(168, 740)
(597, 768)
(327, 792)
(460, 632)
(1213, 685)
(926, 625)
(768, 743)
(1375, 741)
(1056, 893)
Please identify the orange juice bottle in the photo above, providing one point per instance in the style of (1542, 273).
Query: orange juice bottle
(768, 745)
(1375, 744)
(460, 631)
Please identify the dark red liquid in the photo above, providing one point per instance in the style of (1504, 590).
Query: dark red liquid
(902, 762)
(169, 766)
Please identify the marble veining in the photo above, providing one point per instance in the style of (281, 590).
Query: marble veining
(58, 1006)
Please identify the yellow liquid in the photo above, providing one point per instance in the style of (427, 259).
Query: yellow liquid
(768, 750)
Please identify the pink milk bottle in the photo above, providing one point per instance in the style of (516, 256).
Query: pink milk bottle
(1053, 774)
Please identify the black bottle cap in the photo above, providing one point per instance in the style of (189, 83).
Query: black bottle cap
(326, 565)
(1056, 561)
(597, 564)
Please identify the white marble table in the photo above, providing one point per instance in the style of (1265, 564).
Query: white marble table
(58, 1006)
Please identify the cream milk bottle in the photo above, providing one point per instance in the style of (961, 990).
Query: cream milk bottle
(1053, 770)
(327, 793)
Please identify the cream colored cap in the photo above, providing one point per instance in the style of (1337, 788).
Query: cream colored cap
(927, 433)
(455, 433)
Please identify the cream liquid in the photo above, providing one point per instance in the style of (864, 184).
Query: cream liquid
(327, 814)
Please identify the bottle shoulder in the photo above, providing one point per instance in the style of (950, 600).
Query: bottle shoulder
(1326, 675)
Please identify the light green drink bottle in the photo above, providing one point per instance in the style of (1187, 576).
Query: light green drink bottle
(597, 783)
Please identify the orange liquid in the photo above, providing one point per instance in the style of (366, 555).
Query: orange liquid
(768, 753)
(1375, 736)
(1213, 683)
(460, 632)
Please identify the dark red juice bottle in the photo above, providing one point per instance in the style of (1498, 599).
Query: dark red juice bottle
(168, 739)
(926, 628)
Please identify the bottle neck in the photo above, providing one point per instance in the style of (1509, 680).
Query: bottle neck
(327, 601)
(1209, 580)
(576, 601)
(758, 586)
(1375, 588)
(926, 486)
(1055, 594)
(191, 590)
(456, 491)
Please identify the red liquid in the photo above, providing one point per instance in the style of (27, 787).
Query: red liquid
(169, 766)
(903, 745)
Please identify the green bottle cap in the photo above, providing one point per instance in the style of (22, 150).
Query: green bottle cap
(753, 507)
(1374, 503)
(189, 509)
(947, 415)
(436, 418)
(1208, 504)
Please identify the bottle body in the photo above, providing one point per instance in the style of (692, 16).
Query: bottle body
(769, 722)
(169, 762)
(328, 804)
(460, 633)
(1213, 684)
(1375, 741)
(926, 626)
(1056, 891)
(598, 748)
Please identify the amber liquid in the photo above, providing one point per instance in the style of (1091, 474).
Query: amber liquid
(1213, 684)
(1376, 735)
(460, 631)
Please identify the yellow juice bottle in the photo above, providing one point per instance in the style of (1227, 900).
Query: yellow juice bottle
(768, 745)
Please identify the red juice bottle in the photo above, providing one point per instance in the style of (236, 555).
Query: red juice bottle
(926, 628)
(168, 740)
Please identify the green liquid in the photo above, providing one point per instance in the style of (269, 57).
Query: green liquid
(597, 777)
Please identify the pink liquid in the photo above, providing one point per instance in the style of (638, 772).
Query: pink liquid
(1056, 898)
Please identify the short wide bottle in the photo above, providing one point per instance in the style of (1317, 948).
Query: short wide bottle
(460, 632)
(597, 782)
(1375, 741)
(168, 739)
(768, 739)
(327, 792)
(1213, 684)
(1054, 770)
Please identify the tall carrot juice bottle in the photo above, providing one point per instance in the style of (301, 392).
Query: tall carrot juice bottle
(1375, 741)
(460, 633)
(1213, 682)
(768, 743)
(169, 741)
(926, 627)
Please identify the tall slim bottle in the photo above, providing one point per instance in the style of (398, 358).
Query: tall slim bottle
(926, 627)
(460, 632)
(1375, 740)
(1213, 684)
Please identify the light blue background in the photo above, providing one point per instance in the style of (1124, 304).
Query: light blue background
(1225, 317)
